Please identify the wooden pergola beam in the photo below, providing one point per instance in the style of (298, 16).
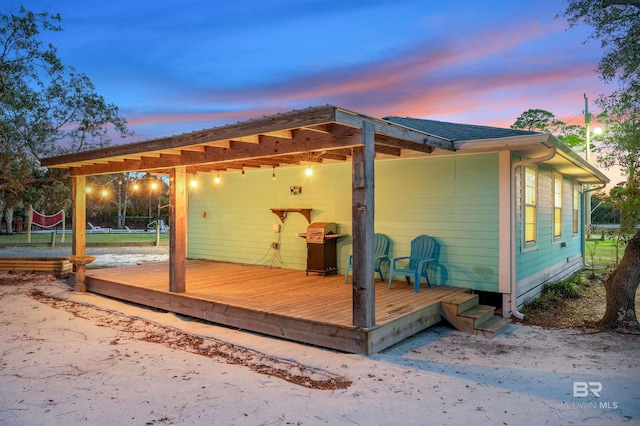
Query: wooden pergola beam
(276, 123)
(238, 152)
(293, 133)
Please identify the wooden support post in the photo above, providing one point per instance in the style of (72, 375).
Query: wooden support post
(79, 217)
(362, 202)
(79, 228)
(177, 230)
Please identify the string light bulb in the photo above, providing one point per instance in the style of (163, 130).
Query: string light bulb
(243, 170)
(309, 171)
(193, 183)
(273, 174)
(217, 178)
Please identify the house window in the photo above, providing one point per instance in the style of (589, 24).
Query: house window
(557, 206)
(576, 208)
(530, 204)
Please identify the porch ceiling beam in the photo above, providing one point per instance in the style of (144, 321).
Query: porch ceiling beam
(292, 120)
(389, 150)
(221, 144)
(403, 144)
(330, 155)
(239, 151)
(266, 162)
(197, 148)
(341, 151)
(247, 139)
(285, 134)
(323, 128)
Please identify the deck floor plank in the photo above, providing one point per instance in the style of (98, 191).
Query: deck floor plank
(282, 296)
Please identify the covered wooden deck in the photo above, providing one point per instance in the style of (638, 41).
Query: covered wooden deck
(283, 303)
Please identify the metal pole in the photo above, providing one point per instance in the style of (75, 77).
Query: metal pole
(587, 199)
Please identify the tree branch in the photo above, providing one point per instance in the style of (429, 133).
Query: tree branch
(634, 3)
(34, 182)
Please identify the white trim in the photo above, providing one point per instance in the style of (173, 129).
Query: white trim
(526, 247)
(504, 213)
(559, 238)
(575, 186)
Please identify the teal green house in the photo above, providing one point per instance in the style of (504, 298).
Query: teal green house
(505, 206)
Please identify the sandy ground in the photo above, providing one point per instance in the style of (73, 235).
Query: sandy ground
(67, 359)
(105, 256)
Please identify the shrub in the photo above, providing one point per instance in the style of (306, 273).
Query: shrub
(537, 304)
(578, 279)
(562, 289)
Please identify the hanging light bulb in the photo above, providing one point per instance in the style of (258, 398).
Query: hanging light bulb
(243, 170)
(193, 183)
(217, 178)
(273, 174)
(89, 189)
(309, 171)
(136, 186)
(104, 192)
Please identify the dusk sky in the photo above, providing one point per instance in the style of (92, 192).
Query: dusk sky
(176, 66)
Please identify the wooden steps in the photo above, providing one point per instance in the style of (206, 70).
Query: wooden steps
(465, 313)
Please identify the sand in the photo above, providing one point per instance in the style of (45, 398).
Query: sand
(68, 358)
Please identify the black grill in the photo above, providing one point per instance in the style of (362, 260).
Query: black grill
(321, 240)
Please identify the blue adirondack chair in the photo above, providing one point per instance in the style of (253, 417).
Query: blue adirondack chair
(423, 250)
(381, 252)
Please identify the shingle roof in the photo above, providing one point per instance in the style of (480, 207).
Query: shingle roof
(455, 131)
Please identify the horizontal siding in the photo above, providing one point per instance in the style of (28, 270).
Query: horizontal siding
(453, 199)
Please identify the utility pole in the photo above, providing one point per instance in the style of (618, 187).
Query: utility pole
(587, 198)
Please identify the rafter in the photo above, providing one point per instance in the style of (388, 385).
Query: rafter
(280, 139)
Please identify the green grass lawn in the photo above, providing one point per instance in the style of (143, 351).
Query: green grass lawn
(603, 253)
(94, 237)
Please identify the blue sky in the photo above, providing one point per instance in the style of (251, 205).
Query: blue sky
(176, 66)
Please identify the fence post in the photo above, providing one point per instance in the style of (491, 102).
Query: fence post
(29, 221)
